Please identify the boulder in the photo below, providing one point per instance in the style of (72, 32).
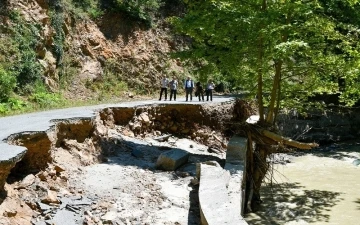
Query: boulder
(172, 159)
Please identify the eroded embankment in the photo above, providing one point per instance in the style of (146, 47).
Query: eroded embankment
(54, 157)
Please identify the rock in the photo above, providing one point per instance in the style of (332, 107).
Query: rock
(356, 162)
(109, 217)
(58, 169)
(27, 181)
(65, 217)
(128, 133)
(51, 198)
(162, 138)
(10, 213)
(17, 211)
(137, 126)
(172, 159)
(144, 118)
(43, 207)
(43, 175)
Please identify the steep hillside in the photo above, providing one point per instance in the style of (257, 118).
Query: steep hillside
(81, 58)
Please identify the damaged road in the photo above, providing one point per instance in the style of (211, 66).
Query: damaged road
(101, 164)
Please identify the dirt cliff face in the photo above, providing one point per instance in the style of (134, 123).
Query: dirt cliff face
(138, 54)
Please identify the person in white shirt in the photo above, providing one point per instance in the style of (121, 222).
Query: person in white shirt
(173, 88)
(164, 85)
(189, 86)
(209, 90)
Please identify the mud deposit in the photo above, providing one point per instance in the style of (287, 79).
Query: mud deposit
(319, 187)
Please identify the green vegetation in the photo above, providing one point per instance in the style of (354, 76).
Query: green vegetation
(282, 52)
(7, 84)
(143, 11)
(19, 68)
(305, 48)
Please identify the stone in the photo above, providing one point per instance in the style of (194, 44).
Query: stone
(43, 175)
(172, 159)
(58, 169)
(162, 138)
(109, 216)
(356, 162)
(27, 181)
(51, 197)
(144, 118)
(65, 217)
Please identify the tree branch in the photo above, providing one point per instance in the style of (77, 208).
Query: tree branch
(288, 141)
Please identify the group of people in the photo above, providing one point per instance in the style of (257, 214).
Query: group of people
(189, 87)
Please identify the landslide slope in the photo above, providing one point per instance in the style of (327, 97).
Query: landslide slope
(85, 56)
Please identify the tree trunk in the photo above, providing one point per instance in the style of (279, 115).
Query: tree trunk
(256, 168)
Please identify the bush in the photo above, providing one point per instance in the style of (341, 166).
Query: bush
(18, 49)
(142, 10)
(43, 98)
(7, 84)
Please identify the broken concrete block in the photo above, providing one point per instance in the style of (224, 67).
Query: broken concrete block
(172, 159)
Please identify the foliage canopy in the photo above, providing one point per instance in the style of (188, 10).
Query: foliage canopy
(283, 51)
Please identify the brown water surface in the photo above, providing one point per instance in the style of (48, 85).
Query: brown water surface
(316, 188)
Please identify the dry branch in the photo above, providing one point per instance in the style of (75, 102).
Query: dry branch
(287, 141)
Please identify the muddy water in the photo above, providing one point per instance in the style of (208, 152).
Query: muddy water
(321, 187)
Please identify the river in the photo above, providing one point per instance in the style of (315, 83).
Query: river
(319, 187)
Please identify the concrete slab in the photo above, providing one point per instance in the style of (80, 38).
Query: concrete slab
(215, 203)
(236, 149)
(172, 159)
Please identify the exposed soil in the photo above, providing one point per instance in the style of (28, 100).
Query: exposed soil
(104, 171)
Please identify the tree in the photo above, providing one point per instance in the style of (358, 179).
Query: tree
(282, 51)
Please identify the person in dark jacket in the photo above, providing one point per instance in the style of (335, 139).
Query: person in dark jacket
(199, 91)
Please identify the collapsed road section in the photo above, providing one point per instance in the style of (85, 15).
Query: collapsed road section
(114, 164)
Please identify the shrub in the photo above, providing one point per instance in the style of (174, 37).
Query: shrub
(43, 98)
(7, 84)
(142, 10)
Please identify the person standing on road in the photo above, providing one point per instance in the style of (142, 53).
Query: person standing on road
(173, 88)
(189, 86)
(209, 90)
(164, 85)
(199, 90)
